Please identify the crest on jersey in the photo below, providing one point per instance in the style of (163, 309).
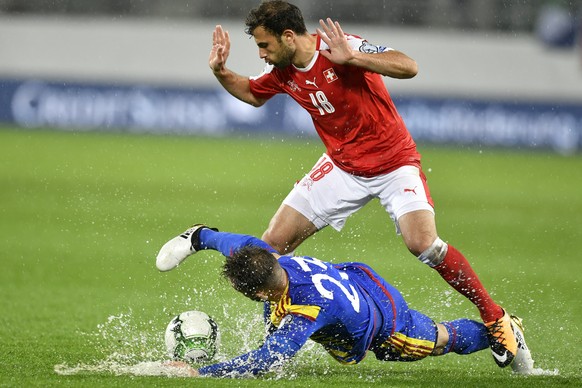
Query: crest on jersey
(287, 319)
(371, 48)
(293, 86)
(307, 183)
(330, 75)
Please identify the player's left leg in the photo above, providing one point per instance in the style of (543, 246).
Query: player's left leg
(178, 248)
(405, 195)
(407, 199)
(201, 237)
(523, 362)
(420, 236)
(414, 337)
(418, 336)
(463, 336)
(418, 228)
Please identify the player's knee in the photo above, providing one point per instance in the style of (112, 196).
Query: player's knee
(286, 238)
(417, 243)
(435, 253)
(269, 238)
(278, 241)
(442, 340)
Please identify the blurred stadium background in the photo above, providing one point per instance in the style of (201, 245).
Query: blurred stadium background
(509, 15)
(499, 72)
(83, 214)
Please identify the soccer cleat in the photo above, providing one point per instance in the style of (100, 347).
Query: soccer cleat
(502, 340)
(178, 249)
(523, 363)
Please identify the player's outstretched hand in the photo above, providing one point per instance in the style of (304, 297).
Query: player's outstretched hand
(220, 49)
(183, 368)
(332, 34)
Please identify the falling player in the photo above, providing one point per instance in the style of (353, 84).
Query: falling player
(347, 308)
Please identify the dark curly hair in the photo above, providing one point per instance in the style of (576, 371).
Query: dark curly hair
(251, 269)
(276, 16)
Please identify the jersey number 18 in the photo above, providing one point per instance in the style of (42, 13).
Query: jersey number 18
(320, 101)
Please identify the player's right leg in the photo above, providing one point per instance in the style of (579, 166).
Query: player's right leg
(288, 229)
(324, 196)
(200, 237)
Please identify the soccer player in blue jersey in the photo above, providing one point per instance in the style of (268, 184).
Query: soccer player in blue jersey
(347, 308)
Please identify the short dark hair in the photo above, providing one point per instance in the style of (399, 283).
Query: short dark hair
(251, 269)
(276, 16)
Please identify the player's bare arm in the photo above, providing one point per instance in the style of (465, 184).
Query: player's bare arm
(235, 84)
(391, 63)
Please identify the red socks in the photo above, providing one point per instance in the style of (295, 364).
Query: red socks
(457, 271)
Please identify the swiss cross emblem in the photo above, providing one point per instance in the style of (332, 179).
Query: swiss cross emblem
(329, 75)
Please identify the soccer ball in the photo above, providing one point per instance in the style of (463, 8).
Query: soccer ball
(192, 336)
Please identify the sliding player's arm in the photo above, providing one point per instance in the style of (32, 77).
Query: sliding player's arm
(278, 348)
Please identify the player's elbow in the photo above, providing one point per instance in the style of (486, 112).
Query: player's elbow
(257, 103)
(412, 69)
(409, 69)
(402, 66)
(253, 101)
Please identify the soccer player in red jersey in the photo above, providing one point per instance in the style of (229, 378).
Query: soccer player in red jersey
(337, 78)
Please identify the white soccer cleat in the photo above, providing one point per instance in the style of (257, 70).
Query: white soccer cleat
(523, 363)
(177, 249)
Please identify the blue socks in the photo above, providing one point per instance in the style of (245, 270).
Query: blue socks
(465, 336)
(228, 243)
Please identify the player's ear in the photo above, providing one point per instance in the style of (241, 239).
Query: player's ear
(262, 296)
(288, 36)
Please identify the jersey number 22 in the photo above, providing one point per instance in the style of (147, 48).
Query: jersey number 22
(319, 278)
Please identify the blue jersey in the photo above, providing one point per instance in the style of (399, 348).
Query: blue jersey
(324, 304)
(347, 308)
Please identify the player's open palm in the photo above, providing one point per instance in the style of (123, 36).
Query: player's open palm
(332, 34)
(220, 49)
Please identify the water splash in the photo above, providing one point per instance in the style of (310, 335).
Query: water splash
(127, 344)
(131, 345)
(145, 368)
(540, 372)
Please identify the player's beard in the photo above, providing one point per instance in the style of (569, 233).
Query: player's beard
(285, 57)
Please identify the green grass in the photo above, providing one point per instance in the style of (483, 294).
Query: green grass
(82, 217)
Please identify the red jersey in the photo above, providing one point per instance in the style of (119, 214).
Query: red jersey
(351, 109)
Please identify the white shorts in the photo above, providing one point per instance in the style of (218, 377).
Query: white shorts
(327, 195)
